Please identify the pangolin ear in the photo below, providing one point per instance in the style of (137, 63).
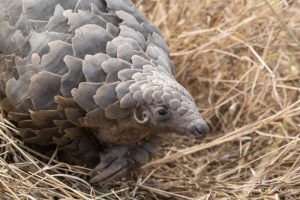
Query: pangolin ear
(141, 114)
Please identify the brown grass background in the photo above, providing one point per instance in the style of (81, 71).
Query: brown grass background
(240, 59)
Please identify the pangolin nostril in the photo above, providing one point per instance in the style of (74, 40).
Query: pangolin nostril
(201, 130)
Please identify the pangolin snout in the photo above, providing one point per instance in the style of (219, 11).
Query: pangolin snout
(198, 129)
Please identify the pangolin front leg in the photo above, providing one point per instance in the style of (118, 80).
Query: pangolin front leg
(119, 160)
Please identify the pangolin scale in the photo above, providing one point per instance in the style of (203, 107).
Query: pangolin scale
(93, 78)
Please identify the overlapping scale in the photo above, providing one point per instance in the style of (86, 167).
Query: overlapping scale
(112, 67)
(114, 111)
(90, 39)
(54, 60)
(57, 22)
(42, 89)
(92, 69)
(106, 95)
(83, 95)
(78, 19)
(73, 77)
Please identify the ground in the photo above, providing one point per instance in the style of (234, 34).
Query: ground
(241, 61)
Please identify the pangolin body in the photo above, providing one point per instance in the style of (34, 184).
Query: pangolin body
(84, 74)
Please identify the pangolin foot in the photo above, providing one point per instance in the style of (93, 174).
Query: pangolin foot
(114, 165)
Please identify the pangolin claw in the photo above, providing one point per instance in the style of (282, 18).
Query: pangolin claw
(113, 165)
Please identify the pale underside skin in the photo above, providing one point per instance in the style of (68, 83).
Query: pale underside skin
(92, 77)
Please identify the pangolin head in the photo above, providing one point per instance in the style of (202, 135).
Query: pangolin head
(164, 105)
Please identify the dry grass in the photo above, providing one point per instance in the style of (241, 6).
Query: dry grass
(241, 61)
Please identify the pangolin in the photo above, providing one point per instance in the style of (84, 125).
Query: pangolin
(92, 78)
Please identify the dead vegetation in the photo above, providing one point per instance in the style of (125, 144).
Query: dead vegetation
(241, 61)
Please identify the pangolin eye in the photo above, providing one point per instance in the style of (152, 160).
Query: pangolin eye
(163, 111)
